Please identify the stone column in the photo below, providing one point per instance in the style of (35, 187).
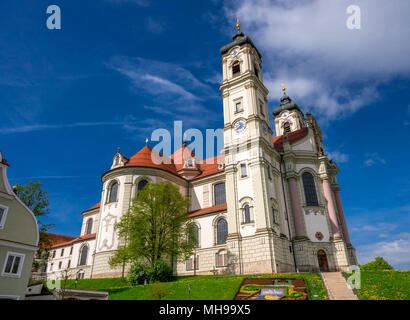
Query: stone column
(331, 208)
(296, 208)
(342, 216)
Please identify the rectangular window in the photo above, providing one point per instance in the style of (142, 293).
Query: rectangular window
(3, 214)
(219, 193)
(71, 251)
(54, 254)
(62, 252)
(238, 107)
(13, 264)
(269, 174)
(51, 267)
(221, 259)
(190, 264)
(243, 170)
(60, 264)
(69, 263)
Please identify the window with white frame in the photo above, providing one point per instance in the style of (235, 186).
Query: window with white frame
(192, 263)
(113, 190)
(243, 170)
(247, 213)
(221, 259)
(3, 214)
(238, 106)
(219, 193)
(60, 264)
(62, 252)
(89, 226)
(13, 264)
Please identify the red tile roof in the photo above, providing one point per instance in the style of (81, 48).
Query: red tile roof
(210, 166)
(213, 209)
(145, 157)
(292, 137)
(179, 156)
(96, 206)
(79, 238)
(52, 239)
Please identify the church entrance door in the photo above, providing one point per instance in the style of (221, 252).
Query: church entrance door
(322, 260)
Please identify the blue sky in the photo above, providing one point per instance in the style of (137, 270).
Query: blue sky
(119, 69)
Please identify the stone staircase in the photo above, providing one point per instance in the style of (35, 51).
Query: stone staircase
(336, 286)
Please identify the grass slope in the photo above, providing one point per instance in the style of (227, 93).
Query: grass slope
(384, 285)
(202, 287)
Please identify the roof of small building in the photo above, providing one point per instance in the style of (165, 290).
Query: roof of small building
(96, 206)
(53, 239)
(213, 209)
(292, 137)
(78, 239)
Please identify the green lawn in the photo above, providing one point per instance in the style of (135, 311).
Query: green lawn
(202, 287)
(384, 285)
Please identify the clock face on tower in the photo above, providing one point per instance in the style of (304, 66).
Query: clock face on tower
(234, 53)
(239, 126)
(285, 115)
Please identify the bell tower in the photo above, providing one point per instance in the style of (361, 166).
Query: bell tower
(288, 117)
(243, 91)
(248, 149)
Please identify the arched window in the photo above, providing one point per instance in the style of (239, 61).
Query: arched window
(236, 68)
(195, 240)
(221, 231)
(286, 127)
(310, 189)
(83, 255)
(89, 227)
(113, 192)
(219, 193)
(247, 210)
(142, 184)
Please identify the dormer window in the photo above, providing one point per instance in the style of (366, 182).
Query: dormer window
(117, 160)
(236, 68)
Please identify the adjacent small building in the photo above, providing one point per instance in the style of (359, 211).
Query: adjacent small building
(18, 240)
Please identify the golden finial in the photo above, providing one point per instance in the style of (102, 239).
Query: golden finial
(238, 25)
(283, 86)
(146, 141)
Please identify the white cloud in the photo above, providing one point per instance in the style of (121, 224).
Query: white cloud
(172, 87)
(376, 227)
(338, 156)
(396, 252)
(326, 66)
(373, 159)
(40, 127)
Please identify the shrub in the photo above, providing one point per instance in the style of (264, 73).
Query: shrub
(378, 264)
(158, 291)
(158, 271)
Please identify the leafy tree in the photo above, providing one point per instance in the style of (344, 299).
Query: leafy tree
(156, 227)
(36, 199)
(378, 264)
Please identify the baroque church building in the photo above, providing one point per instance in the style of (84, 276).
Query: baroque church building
(265, 205)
